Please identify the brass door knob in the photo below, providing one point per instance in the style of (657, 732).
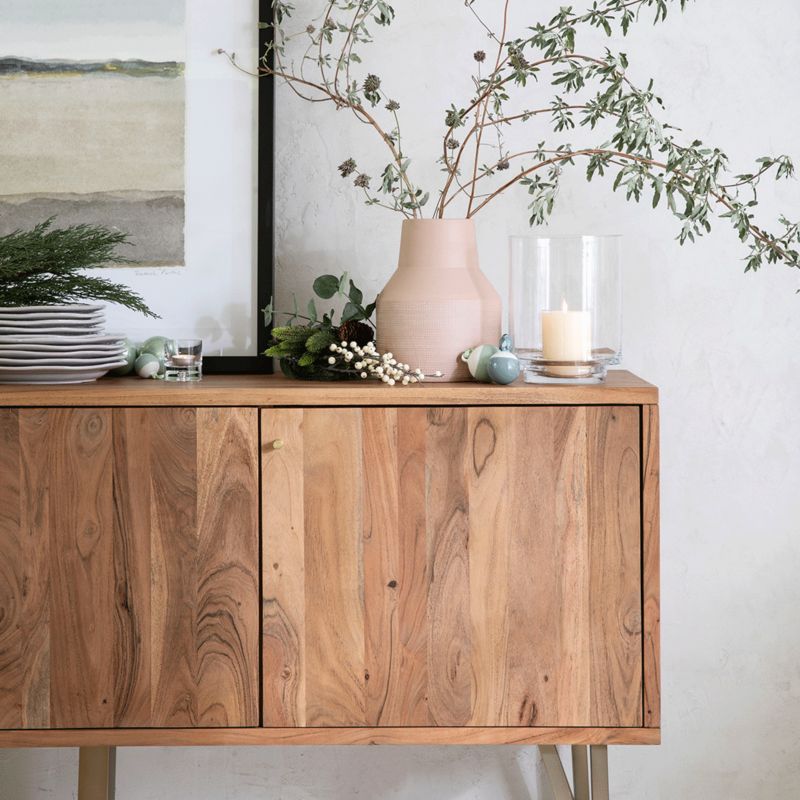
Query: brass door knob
(277, 444)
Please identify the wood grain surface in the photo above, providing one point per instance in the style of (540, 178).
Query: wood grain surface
(454, 567)
(620, 388)
(615, 543)
(188, 737)
(334, 623)
(651, 569)
(284, 701)
(128, 567)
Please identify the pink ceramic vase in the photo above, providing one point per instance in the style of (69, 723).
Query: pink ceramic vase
(438, 303)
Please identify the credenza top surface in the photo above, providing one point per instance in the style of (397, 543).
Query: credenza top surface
(620, 388)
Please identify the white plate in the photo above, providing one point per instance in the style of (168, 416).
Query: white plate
(109, 363)
(71, 319)
(77, 341)
(60, 347)
(73, 308)
(17, 363)
(33, 322)
(106, 352)
(44, 351)
(56, 374)
(49, 330)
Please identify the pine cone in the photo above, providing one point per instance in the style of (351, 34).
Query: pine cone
(355, 331)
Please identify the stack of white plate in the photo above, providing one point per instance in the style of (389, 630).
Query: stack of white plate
(57, 344)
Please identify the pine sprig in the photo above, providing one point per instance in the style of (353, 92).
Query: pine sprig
(45, 265)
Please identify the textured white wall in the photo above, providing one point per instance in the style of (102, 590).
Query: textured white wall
(722, 346)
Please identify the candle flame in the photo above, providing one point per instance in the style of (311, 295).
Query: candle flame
(564, 306)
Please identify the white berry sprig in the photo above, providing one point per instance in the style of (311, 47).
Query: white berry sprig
(369, 363)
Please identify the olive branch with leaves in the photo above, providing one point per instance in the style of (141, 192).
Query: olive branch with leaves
(591, 94)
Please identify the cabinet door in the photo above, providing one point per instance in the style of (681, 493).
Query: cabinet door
(452, 567)
(128, 568)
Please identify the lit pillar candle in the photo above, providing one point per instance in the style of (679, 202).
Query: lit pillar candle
(566, 336)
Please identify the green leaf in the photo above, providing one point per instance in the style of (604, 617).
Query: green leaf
(268, 311)
(326, 286)
(319, 341)
(281, 331)
(352, 312)
(312, 311)
(369, 310)
(356, 295)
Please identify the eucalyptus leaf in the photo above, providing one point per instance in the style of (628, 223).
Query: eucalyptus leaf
(268, 313)
(326, 286)
(352, 312)
(355, 294)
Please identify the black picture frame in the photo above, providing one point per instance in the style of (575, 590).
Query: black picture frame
(265, 228)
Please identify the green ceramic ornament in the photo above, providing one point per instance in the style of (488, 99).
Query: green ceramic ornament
(504, 366)
(477, 360)
(147, 366)
(156, 346)
(130, 357)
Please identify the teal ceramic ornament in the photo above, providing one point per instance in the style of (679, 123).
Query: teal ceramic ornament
(147, 366)
(130, 357)
(156, 346)
(477, 361)
(503, 366)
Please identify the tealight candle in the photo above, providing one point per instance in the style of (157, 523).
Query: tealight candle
(566, 336)
(183, 359)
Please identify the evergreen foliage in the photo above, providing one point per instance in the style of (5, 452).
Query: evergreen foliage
(45, 266)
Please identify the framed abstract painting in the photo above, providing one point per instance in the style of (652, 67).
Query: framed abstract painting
(125, 115)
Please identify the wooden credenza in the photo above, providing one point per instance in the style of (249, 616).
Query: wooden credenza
(250, 560)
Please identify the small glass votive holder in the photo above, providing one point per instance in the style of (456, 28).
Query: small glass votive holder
(565, 306)
(183, 360)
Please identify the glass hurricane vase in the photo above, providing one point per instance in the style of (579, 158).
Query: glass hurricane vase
(565, 306)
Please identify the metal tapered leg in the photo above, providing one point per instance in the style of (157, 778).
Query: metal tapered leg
(580, 771)
(96, 773)
(555, 771)
(599, 757)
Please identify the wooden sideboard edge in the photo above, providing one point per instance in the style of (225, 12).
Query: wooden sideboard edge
(651, 582)
(621, 388)
(189, 737)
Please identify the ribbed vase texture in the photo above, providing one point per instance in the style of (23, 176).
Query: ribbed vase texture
(437, 303)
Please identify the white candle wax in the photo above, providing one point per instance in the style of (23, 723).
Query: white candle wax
(182, 359)
(566, 336)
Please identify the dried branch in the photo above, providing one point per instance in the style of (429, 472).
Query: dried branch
(641, 148)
